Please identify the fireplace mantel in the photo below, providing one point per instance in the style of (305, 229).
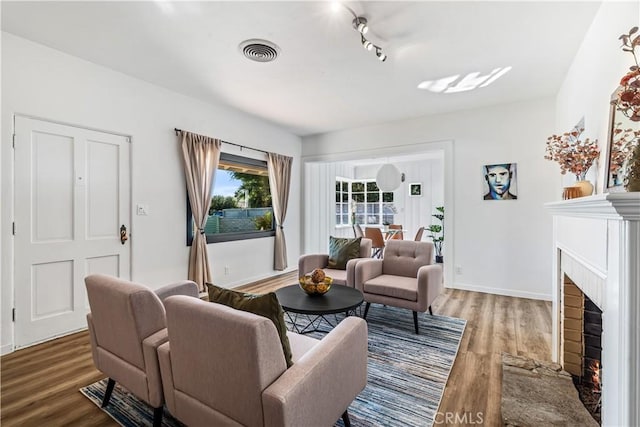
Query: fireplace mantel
(597, 241)
(619, 206)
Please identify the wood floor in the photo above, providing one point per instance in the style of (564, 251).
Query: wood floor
(39, 384)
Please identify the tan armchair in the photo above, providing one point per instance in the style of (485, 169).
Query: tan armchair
(307, 263)
(405, 277)
(126, 326)
(226, 367)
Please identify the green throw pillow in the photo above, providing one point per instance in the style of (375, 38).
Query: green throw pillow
(263, 305)
(341, 251)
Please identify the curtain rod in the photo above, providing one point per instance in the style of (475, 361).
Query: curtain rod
(227, 142)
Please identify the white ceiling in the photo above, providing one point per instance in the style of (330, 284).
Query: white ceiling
(323, 79)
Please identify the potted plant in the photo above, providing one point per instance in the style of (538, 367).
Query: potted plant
(437, 233)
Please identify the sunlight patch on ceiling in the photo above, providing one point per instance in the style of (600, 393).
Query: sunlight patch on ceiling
(455, 84)
(165, 6)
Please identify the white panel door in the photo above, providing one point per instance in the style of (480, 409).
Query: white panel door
(72, 195)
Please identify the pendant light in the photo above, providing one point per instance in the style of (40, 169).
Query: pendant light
(388, 177)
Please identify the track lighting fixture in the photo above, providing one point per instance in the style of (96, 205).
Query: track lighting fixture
(361, 25)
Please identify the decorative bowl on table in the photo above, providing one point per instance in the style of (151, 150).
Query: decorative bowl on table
(315, 288)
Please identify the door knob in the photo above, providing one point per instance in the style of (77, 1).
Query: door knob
(123, 234)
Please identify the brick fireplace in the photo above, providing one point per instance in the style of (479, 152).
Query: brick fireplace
(596, 277)
(582, 335)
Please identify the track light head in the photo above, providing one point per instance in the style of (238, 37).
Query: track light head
(380, 54)
(360, 24)
(366, 43)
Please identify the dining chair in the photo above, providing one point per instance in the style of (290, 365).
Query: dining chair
(357, 230)
(398, 235)
(377, 241)
(418, 237)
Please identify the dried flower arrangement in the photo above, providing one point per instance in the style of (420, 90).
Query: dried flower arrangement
(624, 141)
(629, 94)
(572, 154)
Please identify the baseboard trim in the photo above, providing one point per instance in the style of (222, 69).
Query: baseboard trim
(501, 291)
(6, 349)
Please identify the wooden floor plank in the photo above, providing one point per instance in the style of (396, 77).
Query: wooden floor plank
(39, 384)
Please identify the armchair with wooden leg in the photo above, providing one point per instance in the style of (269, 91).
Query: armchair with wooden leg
(126, 327)
(341, 276)
(226, 367)
(405, 277)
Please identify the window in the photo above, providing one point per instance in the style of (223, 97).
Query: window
(342, 202)
(240, 202)
(363, 201)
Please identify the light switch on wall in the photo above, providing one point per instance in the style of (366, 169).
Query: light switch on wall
(142, 209)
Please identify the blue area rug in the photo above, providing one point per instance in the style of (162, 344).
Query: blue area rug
(407, 374)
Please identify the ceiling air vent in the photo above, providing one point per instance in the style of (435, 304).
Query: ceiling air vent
(259, 50)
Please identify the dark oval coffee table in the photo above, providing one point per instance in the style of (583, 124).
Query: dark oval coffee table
(339, 299)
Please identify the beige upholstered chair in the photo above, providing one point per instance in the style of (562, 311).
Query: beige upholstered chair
(406, 277)
(226, 367)
(126, 326)
(418, 237)
(307, 263)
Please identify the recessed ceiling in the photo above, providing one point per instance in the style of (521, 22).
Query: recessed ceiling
(323, 79)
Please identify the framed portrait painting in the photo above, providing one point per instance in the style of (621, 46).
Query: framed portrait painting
(500, 181)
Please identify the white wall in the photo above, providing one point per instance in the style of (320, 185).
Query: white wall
(319, 204)
(500, 246)
(48, 84)
(594, 75)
